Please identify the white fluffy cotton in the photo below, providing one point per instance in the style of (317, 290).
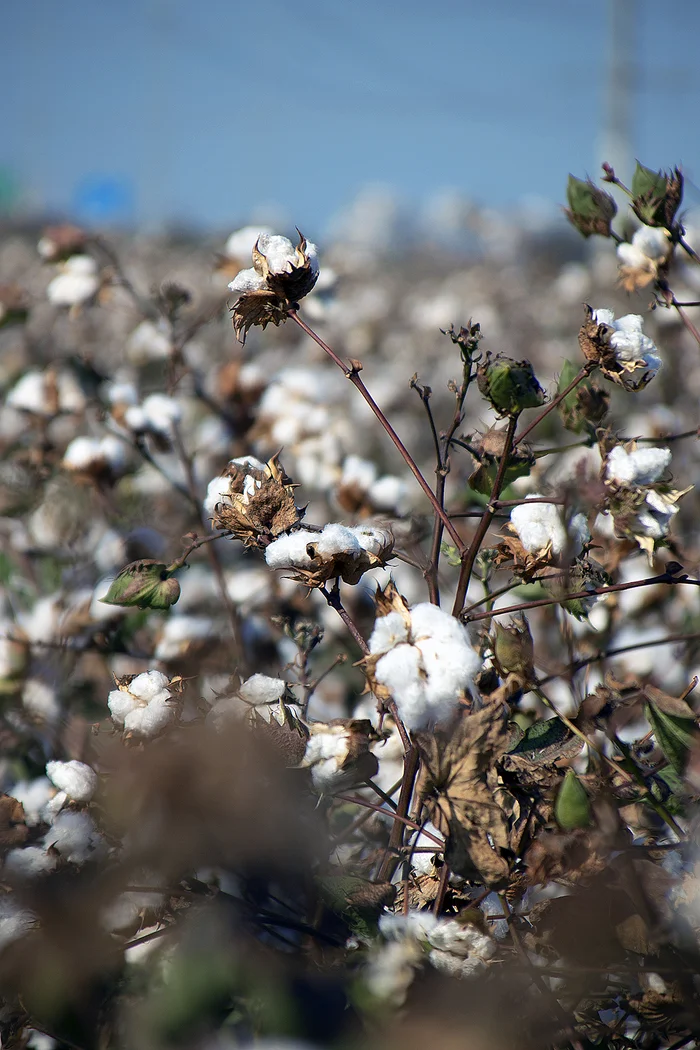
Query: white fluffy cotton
(77, 779)
(78, 281)
(28, 863)
(146, 708)
(540, 524)
(75, 837)
(642, 466)
(628, 340)
(429, 671)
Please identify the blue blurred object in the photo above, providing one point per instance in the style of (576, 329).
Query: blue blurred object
(104, 198)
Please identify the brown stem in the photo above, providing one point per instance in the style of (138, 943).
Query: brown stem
(406, 821)
(212, 553)
(469, 557)
(410, 770)
(585, 371)
(352, 373)
(670, 298)
(664, 577)
(604, 654)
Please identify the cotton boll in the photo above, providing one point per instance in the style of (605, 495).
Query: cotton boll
(77, 779)
(28, 863)
(290, 549)
(180, 633)
(34, 795)
(358, 472)
(389, 631)
(247, 281)
(400, 670)
(537, 525)
(77, 283)
(151, 719)
(75, 837)
(241, 242)
(260, 689)
(642, 466)
(149, 341)
(120, 704)
(337, 539)
(149, 684)
(40, 700)
(15, 922)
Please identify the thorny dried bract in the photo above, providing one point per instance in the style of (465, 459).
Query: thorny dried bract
(299, 752)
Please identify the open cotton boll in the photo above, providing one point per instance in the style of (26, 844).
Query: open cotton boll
(77, 282)
(290, 549)
(540, 524)
(247, 281)
(28, 863)
(15, 921)
(642, 466)
(75, 837)
(389, 631)
(145, 707)
(34, 795)
(337, 539)
(241, 242)
(77, 779)
(401, 671)
(260, 689)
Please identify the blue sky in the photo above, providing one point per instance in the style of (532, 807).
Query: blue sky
(217, 110)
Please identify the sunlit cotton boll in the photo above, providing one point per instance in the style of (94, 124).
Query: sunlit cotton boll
(28, 863)
(428, 673)
(77, 779)
(540, 524)
(628, 340)
(77, 282)
(145, 706)
(15, 921)
(642, 466)
(241, 242)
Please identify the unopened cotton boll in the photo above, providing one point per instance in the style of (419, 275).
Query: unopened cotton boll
(77, 779)
(642, 466)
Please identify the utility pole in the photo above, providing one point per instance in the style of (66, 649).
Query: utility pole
(616, 145)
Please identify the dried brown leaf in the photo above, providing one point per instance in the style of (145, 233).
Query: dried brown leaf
(458, 785)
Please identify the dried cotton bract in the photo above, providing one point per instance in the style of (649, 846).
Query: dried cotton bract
(280, 275)
(338, 551)
(423, 659)
(252, 500)
(143, 704)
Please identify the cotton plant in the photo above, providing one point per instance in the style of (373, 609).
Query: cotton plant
(203, 524)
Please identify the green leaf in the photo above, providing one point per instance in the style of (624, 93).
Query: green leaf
(484, 476)
(546, 742)
(572, 808)
(147, 584)
(674, 735)
(646, 181)
(450, 553)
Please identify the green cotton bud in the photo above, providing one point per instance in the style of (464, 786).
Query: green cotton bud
(513, 649)
(591, 210)
(656, 195)
(586, 406)
(572, 808)
(147, 584)
(510, 386)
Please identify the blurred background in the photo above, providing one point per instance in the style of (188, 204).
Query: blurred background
(165, 113)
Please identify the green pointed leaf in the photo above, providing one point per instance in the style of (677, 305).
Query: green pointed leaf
(572, 808)
(147, 584)
(674, 735)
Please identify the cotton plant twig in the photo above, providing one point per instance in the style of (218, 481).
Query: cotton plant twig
(212, 553)
(352, 373)
(536, 603)
(604, 654)
(582, 374)
(469, 557)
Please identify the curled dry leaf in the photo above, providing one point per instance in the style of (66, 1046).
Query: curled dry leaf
(458, 785)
